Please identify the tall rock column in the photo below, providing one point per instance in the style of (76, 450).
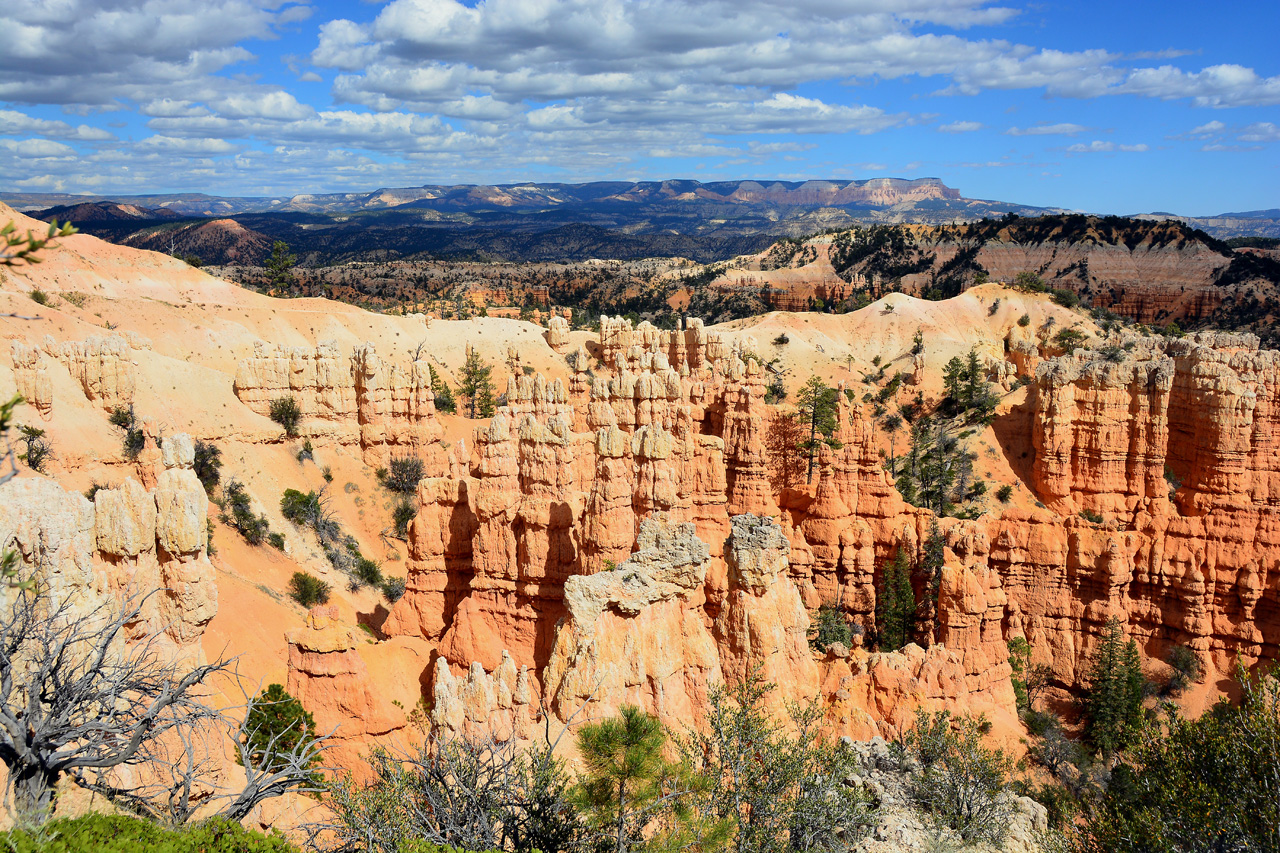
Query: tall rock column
(764, 623)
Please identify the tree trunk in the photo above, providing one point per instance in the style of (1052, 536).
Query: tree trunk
(33, 793)
(813, 438)
(622, 794)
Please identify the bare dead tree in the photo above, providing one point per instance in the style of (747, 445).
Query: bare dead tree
(182, 771)
(83, 697)
(467, 793)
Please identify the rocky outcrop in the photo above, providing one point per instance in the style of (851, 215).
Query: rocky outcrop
(636, 634)
(331, 680)
(128, 541)
(388, 409)
(1188, 545)
(104, 367)
(31, 374)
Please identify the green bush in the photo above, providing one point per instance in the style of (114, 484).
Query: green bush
(208, 465)
(1065, 298)
(1114, 692)
(1091, 516)
(393, 589)
(100, 833)
(276, 724)
(254, 528)
(276, 540)
(303, 509)
(403, 516)
(404, 474)
(367, 571)
(134, 440)
(1004, 494)
(1186, 668)
(962, 781)
(1207, 784)
(286, 412)
(308, 590)
(1024, 320)
(829, 626)
(37, 448)
(39, 297)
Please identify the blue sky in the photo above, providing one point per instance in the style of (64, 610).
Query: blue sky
(1110, 107)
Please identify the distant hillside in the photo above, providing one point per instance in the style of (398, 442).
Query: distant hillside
(1151, 272)
(103, 211)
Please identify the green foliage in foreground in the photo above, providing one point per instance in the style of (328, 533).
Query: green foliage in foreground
(99, 833)
(1207, 784)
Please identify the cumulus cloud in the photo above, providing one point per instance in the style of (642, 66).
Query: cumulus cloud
(1100, 146)
(13, 122)
(1263, 131)
(419, 85)
(1062, 129)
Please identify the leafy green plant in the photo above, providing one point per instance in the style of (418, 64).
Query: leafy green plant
(36, 448)
(445, 401)
(403, 474)
(254, 528)
(1004, 494)
(1112, 701)
(962, 781)
(38, 296)
(1029, 679)
(286, 412)
(829, 626)
(368, 572)
(403, 516)
(896, 604)
(276, 540)
(477, 386)
(133, 439)
(308, 590)
(208, 465)
(101, 833)
(393, 588)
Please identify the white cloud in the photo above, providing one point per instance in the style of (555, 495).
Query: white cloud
(1100, 146)
(960, 127)
(12, 122)
(1263, 131)
(36, 149)
(1207, 129)
(1062, 129)
(188, 146)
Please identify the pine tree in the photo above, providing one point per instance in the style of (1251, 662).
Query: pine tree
(280, 265)
(1113, 698)
(442, 392)
(625, 768)
(785, 434)
(896, 604)
(818, 407)
(276, 724)
(476, 386)
(931, 563)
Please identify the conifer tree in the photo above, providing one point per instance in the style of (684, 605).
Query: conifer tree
(623, 791)
(280, 265)
(1113, 698)
(442, 392)
(931, 563)
(896, 604)
(476, 386)
(817, 403)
